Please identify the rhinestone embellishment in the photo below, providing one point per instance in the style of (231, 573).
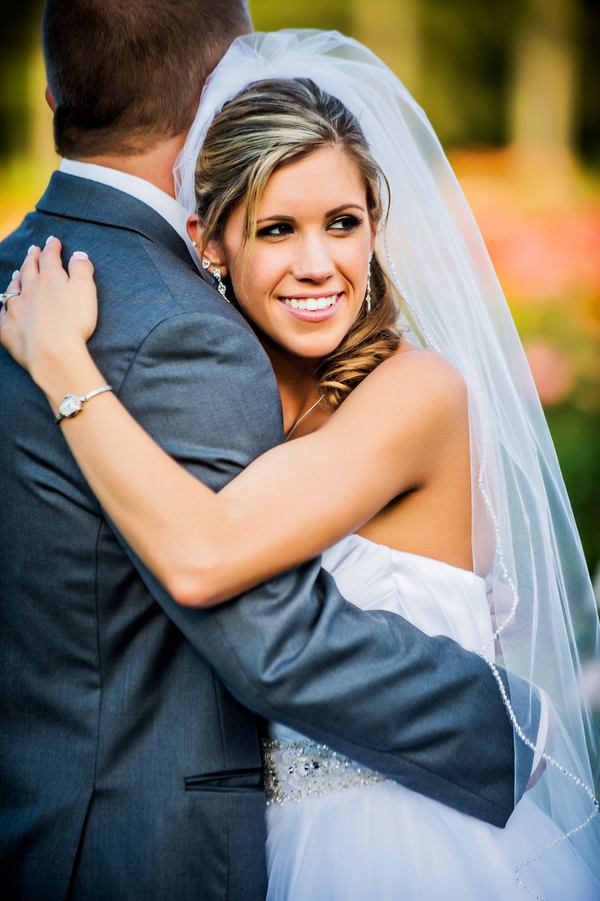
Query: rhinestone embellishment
(298, 769)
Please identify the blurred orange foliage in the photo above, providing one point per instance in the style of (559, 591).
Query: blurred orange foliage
(539, 214)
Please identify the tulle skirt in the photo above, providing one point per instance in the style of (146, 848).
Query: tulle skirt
(383, 842)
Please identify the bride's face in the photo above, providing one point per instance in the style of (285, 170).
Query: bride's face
(306, 278)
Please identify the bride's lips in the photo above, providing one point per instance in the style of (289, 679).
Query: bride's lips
(313, 315)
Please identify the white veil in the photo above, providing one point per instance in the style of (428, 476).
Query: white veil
(525, 542)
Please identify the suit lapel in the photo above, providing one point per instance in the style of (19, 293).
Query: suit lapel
(78, 198)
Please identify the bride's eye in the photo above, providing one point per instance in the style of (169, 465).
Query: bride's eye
(276, 230)
(345, 223)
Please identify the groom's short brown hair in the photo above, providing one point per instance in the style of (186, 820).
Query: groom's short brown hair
(126, 74)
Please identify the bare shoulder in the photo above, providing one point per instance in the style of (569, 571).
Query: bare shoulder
(414, 380)
(427, 367)
(413, 403)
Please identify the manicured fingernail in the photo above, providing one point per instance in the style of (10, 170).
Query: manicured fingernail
(31, 248)
(49, 238)
(80, 255)
(16, 274)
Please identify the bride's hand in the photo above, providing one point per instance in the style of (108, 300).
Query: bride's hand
(55, 311)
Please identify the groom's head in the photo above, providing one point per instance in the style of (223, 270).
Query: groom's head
(127, 74)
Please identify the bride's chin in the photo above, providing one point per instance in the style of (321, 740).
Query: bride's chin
(294, 343)
(313, 351)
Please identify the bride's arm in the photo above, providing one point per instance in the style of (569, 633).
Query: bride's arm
(286, 507)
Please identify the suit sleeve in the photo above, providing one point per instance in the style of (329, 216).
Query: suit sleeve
(420, 710)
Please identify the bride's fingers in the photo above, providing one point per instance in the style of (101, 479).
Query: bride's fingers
(80, 268)
(83, 289)
(30, 268)
(50, 260)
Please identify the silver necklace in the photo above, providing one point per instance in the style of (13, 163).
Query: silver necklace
(304, 415)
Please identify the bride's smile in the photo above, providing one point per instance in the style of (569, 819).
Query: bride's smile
(314, 308)
(303, 278)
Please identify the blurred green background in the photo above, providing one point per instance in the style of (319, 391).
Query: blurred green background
(513, 89)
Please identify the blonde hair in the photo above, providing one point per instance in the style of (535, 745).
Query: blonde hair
(272, 124)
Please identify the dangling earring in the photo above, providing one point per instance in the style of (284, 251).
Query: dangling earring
(368, 297)
(220, 284)
(216, 273)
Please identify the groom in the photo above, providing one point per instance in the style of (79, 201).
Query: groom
(129, 756)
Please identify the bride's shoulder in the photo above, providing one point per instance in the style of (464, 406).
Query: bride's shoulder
(415, 370)
(413, 386)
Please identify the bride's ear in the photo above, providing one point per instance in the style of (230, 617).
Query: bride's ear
(374, 230)
(213, 250)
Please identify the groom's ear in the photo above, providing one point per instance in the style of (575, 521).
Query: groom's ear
(50, 99)
(194, 230)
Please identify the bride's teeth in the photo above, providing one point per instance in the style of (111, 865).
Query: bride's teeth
(311, 303)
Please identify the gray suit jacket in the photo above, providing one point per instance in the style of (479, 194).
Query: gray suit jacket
(129, 755)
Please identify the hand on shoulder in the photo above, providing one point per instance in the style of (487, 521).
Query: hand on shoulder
(55, 313)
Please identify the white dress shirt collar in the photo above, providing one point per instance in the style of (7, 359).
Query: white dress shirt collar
(161, 203)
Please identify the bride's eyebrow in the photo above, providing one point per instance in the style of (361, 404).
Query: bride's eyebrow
(345, 206)
(275, 217)
(338, 209)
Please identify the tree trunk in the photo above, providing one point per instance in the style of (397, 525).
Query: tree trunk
(543, 94)
(390, 28)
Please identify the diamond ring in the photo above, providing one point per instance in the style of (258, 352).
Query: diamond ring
(4, 298)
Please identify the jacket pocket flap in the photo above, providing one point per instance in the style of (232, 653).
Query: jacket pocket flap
(228, 780)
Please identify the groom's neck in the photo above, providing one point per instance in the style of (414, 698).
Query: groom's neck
(155, 166)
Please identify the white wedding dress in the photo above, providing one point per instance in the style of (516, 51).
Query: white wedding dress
(339, 833)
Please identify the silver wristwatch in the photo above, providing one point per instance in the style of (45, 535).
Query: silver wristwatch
(73, 403)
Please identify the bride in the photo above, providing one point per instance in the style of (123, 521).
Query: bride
(418, 460)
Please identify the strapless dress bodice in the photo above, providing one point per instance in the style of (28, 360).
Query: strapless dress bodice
(437, 598)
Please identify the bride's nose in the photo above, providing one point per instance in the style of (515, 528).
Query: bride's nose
(313, 262)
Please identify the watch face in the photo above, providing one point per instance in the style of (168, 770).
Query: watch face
(70, 406)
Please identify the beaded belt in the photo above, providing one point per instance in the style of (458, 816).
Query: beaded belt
(301, 768)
